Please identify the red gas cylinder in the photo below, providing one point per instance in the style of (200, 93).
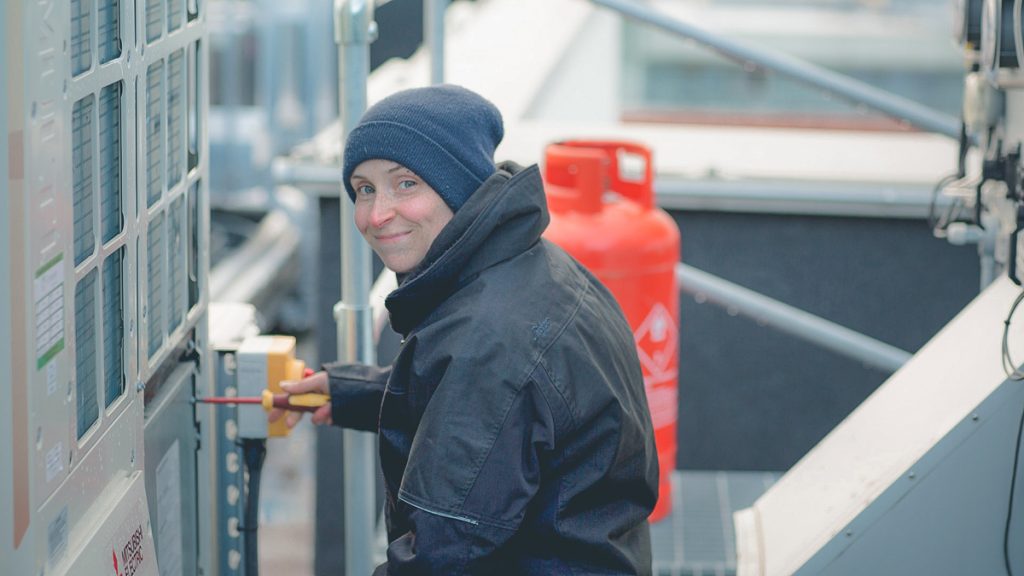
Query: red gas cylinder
(602, 212)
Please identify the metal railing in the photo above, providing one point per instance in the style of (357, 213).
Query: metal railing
(433, 37)
(354, 31)
(788, 319)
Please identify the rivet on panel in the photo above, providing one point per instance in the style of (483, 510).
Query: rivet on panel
(231, 463)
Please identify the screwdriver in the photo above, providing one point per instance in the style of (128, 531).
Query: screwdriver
(307, 402)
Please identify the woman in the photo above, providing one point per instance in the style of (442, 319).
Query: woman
(514, 432)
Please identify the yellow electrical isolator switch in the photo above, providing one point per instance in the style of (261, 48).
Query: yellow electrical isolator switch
(263, 363)
(281, 365)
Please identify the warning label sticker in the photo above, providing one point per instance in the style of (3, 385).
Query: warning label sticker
(656, 341)
(48, 294)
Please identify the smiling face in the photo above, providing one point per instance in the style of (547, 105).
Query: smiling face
(398, 213)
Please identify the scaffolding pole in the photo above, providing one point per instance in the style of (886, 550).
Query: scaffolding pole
(354, 31)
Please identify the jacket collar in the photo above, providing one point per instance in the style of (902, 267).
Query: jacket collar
(502, 219)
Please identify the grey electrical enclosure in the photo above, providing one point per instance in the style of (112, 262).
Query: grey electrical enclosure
(103, 272)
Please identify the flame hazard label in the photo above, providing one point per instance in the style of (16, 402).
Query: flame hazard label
(657, 339)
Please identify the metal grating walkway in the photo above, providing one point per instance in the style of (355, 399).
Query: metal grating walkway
(698, 539)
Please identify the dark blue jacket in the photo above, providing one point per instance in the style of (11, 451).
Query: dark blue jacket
(514, 431)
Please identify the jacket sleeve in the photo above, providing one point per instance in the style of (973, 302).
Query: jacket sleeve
(356, 393)
(474, 468)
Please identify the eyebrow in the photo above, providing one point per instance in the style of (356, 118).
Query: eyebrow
(391, 170)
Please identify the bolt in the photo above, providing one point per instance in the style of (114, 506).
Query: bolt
(911, 475)
(140, 386)
(849, 533)
(974, 416)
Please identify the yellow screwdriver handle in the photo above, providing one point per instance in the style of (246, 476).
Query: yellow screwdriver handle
(307, 402)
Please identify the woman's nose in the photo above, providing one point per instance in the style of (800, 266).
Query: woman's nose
(383, 210)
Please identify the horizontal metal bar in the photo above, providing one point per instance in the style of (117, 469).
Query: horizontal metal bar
(798, 197)
(790, 320)
(750, 56)
(868, 200)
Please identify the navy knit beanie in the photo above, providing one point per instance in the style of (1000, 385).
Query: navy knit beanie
(445, 134)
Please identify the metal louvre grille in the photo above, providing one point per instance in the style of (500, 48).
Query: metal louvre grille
(113, 327)
(154, 132)
(109, 33)
(81, 32)
(177, 283)
(155, 277)
(193, 245)
(81, 177)
(111, 211)
(175, 10)
(133, 208)
(193, 105)
(154, 19)
(85, 352)
(175, 117)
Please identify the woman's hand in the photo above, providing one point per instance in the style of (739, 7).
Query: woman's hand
(315, 383)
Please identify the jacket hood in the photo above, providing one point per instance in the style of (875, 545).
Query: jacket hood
(502, 219)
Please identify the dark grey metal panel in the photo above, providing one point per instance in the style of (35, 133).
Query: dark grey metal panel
(752, 398)
(951, 513)
(170, 424)
(329, 550)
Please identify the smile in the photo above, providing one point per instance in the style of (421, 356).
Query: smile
(390, 238)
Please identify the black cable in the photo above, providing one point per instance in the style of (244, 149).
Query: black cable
(1013, 374)
(965, 146)
(254, 451)
(1009, 510)
(1009, 366)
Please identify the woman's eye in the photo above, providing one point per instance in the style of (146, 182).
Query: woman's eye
(364, 189)
(406, 184)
